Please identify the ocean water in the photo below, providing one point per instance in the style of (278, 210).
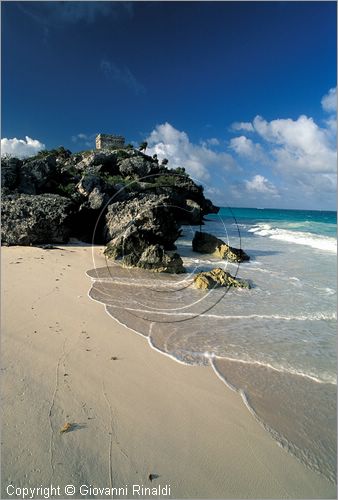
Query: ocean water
(274, 344)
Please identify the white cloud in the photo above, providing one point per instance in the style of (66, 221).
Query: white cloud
(247, 126)
(85, 139)
(199, 160)
(21, 148)
(329, 101)
(247, 148)
(260, 184)
(298, 145)
(213, 141)
(123, 75)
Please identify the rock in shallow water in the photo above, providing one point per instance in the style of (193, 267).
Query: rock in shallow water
(207, 243)
(218, 278)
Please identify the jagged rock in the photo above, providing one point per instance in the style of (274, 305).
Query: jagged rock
(218, 278)
(88, 182)
(194, 212)
(37, 175)
(142, 221)
(34, 219)
(135, 220)
(9, 173)
(107, 159)
(207, 243)
(155, 258)
(96, 199)
(137, 166)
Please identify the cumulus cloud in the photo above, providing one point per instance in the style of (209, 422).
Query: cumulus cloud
(213, 141)
(199, 160)
(122, 75)
(247, 148)
(329, 101)
(21, 148)
(298, 144)
(260, 184)
(242, 126)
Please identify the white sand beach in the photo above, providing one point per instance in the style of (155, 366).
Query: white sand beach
(133, 416)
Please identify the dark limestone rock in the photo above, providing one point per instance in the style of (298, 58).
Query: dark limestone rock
(35, 219)
(156, 259)
(37, 175)
(207, 243)
(218, 278)
(9, 173)
(193, 212)
(142, 231)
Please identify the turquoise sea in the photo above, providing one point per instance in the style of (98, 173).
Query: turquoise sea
(274, 344)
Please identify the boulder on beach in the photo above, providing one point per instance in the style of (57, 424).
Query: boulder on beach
(207, 243)
(142, 232)
(218, 278)
(155, 258)
(144, 220)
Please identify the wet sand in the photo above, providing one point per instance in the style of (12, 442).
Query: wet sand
(136, 415)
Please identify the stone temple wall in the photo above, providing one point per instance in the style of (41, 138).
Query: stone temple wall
(107, 141)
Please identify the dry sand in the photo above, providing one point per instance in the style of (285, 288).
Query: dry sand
(138, 415)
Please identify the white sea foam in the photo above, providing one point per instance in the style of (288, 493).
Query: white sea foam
(174, 312)
(319, 242)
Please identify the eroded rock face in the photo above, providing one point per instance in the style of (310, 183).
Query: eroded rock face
(141, 213)
(207, 243)
(141, 231)
(30, 220)
(137, 166)
(218, 278)
(37, 176)
(193, 212)
(9, 173)
(155, 258)
(148, 218)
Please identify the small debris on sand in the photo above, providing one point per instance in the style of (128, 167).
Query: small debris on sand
(66, 428)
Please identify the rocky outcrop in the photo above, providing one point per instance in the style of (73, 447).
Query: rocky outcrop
(31, 220)
(218, 278)
(207, 243)
(145, 220)
(9, 173)
(109, 200)
(140, 231)
(155, 258)
(193, 212)
(137, 166)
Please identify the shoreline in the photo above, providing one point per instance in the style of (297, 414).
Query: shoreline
(137, 415)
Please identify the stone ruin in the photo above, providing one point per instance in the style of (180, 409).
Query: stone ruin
(107, 141)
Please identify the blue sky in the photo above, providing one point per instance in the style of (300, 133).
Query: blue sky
(243, 94)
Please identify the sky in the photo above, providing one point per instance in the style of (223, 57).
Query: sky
(241, 94)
